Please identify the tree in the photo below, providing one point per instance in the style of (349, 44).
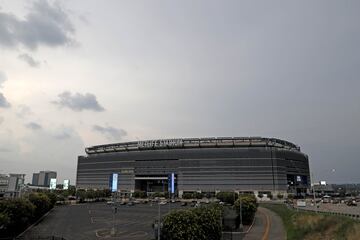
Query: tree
(4, 221)
(52, 197)
(227, 197)
(41, 202)
(248, 207)
(197, 223)
(16, 214)
(81, 195)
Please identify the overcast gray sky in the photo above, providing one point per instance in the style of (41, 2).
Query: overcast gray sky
(79, 73)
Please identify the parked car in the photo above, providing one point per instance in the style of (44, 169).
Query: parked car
(352, 203)
(183, 204)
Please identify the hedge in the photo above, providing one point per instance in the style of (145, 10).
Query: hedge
(198, 223)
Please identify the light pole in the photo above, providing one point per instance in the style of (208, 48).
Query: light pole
(314, 195)
(114, 212)
(159, 223)
(241, 227)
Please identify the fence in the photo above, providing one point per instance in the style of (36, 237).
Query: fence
(39, 238)
(352, 216)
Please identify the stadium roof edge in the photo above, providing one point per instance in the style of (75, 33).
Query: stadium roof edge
(179, 143)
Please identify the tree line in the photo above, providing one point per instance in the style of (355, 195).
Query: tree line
(17, 214)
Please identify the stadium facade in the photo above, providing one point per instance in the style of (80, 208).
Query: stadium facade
(208, 165)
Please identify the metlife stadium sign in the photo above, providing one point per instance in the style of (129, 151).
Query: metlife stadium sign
(176, 142)
(114, 182)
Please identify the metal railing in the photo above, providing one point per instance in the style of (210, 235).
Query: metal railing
(193, 143)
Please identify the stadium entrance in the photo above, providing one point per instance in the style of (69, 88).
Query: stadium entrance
(152, 184)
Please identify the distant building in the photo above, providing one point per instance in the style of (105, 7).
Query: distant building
(322, 189)
(4, 182)
(43, 178)
(11, 185)
(35, 179)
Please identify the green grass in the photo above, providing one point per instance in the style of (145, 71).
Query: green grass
(308, 225)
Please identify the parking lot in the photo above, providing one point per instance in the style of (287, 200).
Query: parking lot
(96, 221)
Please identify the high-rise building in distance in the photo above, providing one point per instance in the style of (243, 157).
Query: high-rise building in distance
(43, 178)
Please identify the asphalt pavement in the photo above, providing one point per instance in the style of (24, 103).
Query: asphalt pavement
(267, 225)
(97, 221)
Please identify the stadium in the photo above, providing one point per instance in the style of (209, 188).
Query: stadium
(206, 165)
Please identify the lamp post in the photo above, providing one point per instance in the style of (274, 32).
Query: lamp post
(241, 227)
(159, 222)
(314, 195)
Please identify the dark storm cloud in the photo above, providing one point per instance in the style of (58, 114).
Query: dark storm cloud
(33, 126)
(79, 102)
(110, 132)
(29, 60)
(45, 24)
(3, 102)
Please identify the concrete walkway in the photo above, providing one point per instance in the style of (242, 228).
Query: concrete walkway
(267, 226)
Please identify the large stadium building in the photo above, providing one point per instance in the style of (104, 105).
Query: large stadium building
(207, 165)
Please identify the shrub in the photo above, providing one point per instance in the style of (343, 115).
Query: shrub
(187, 196)
(227, 197)
(41, 202)
(158, 194)
(248, 207)
(280, 196)
(198, 195)
(200, 223)
(270, 196)
(139, 194)
(260, 195)
(291, 196)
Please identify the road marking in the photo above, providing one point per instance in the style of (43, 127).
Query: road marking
(267, 226)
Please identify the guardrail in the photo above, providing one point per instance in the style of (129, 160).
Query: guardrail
(352, 216)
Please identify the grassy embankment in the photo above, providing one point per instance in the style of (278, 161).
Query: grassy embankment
(308, 225)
